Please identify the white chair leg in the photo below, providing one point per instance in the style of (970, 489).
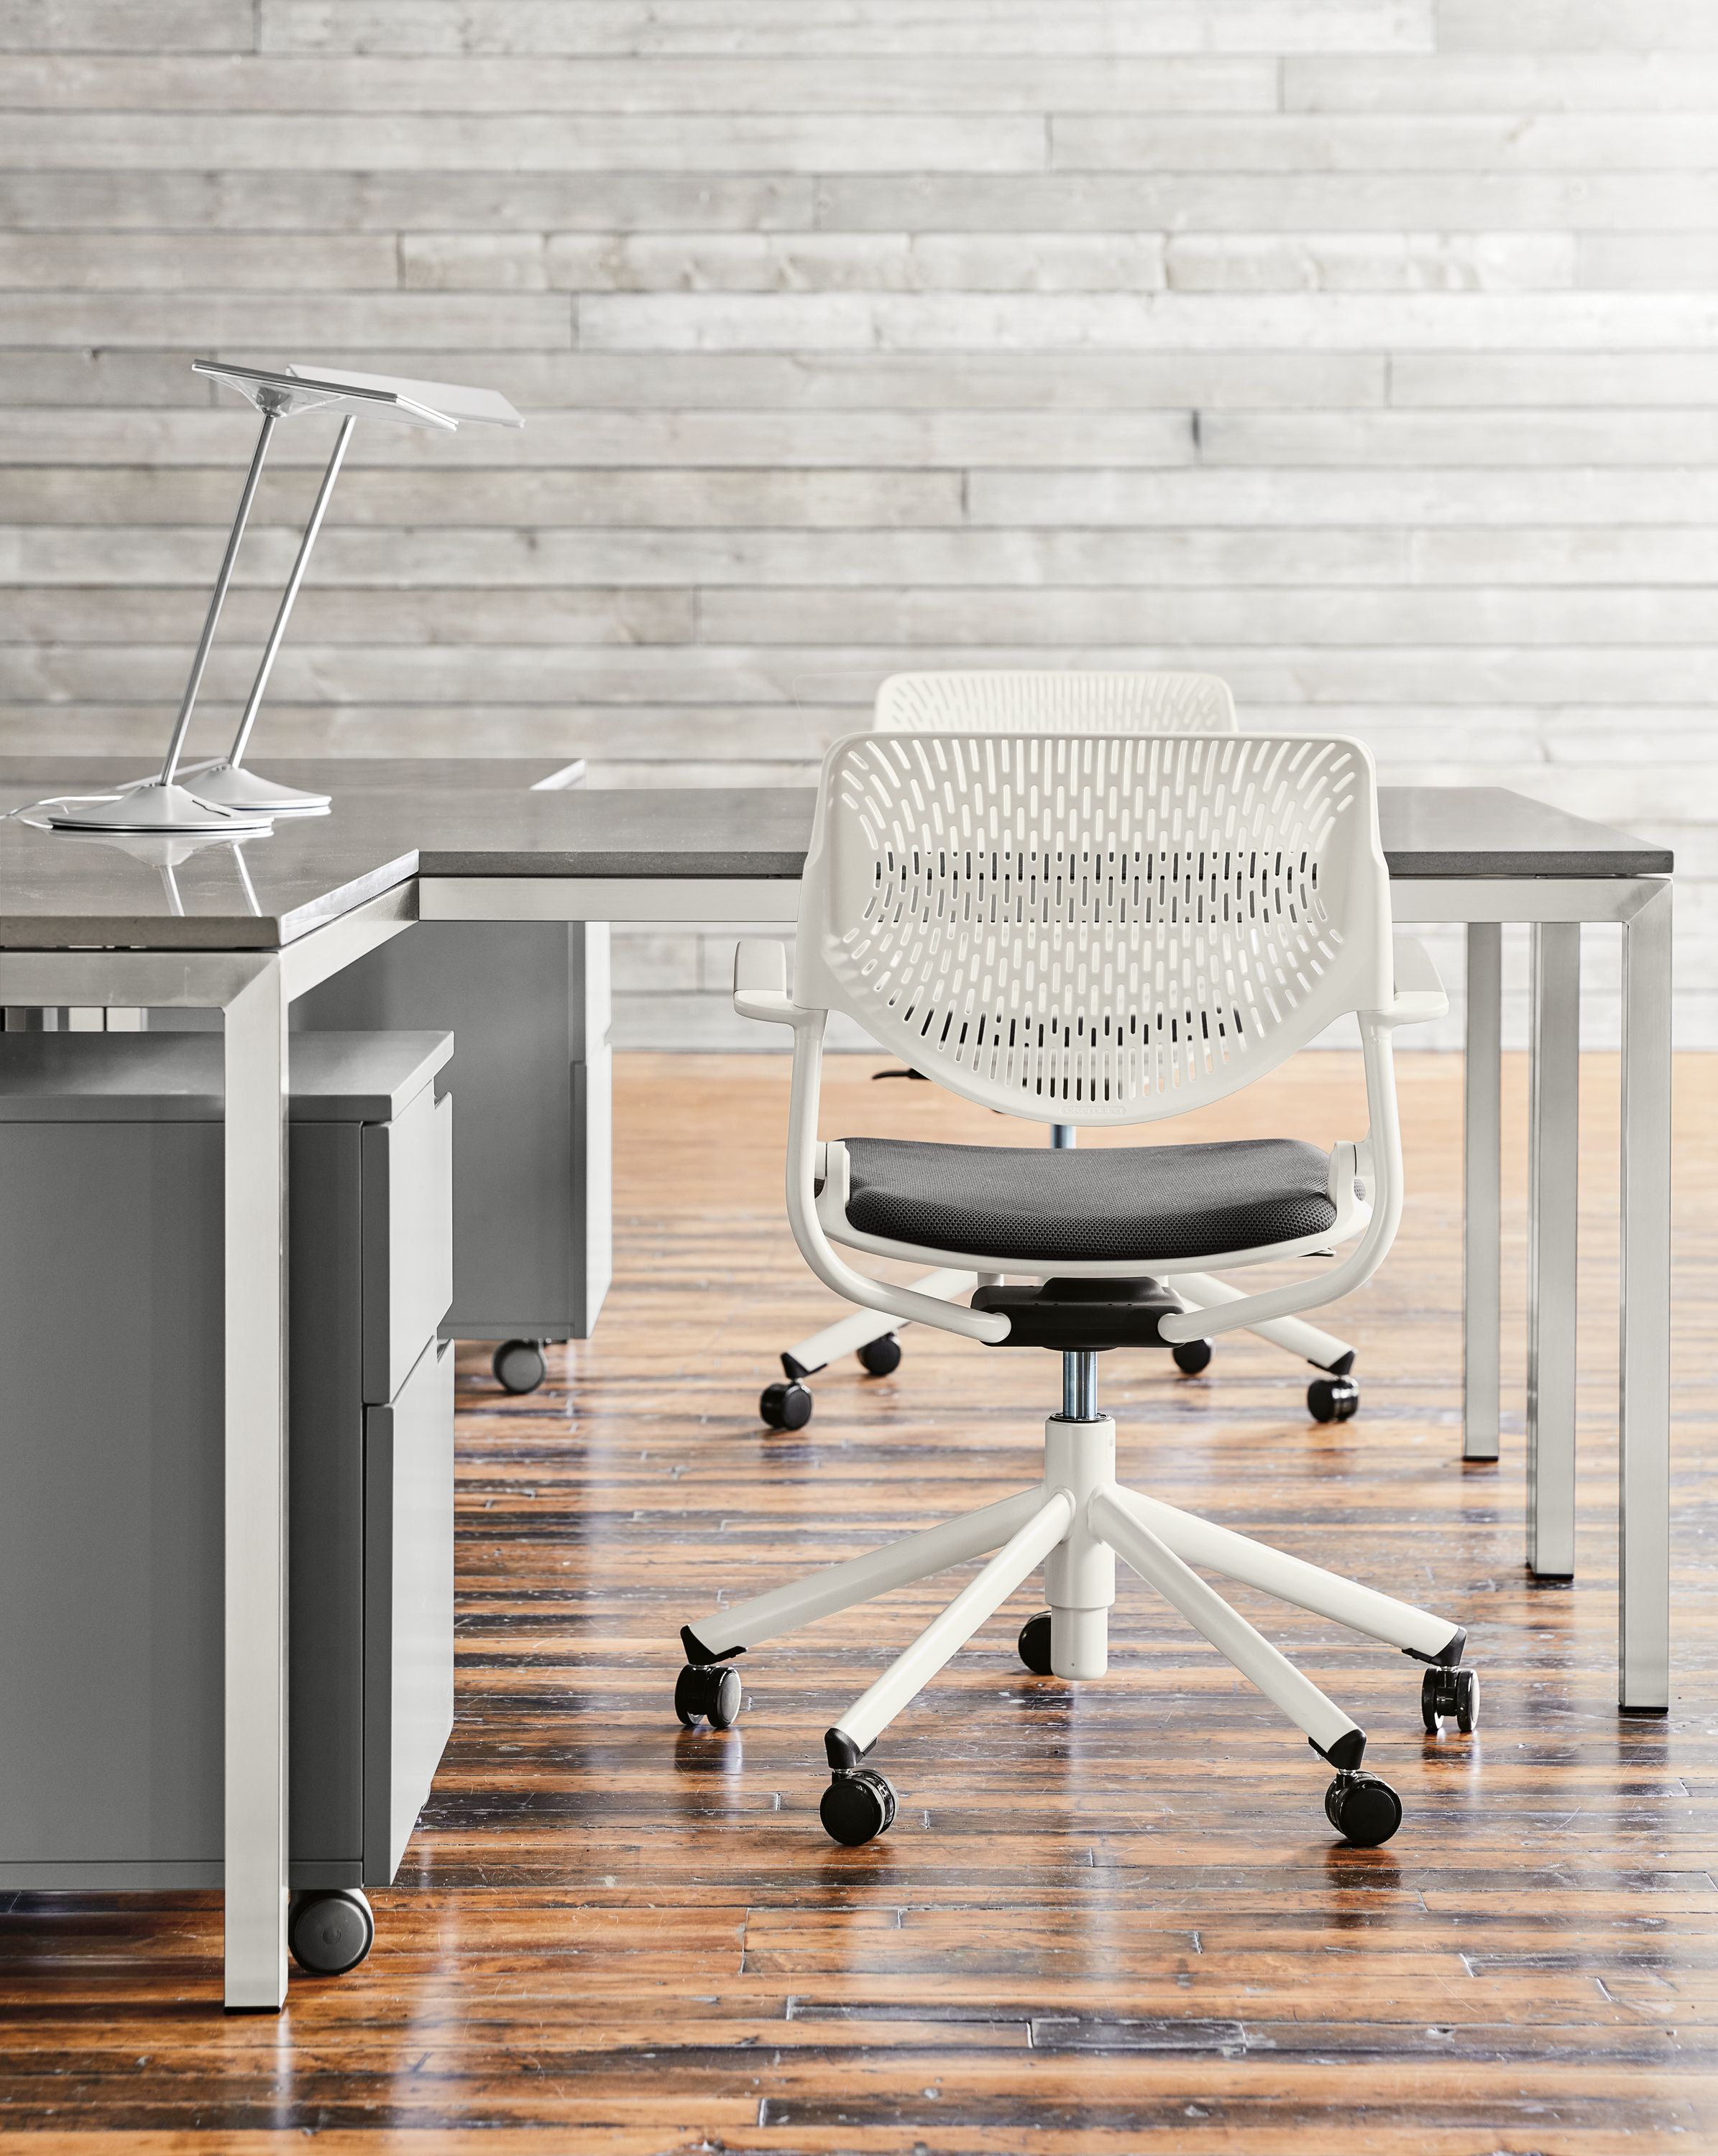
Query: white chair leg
(849, 1334)
(841, 1586)
(1292, 1579)
(909, 1673)
(1333, 1733)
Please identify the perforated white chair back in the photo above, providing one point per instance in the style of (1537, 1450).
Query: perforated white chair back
(1095, 929)
(997, 701)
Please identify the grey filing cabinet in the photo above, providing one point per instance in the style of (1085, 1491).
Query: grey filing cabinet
(528, 1005)
(111, 1463)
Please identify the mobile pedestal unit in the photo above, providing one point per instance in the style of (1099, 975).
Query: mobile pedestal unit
(528, 1005)
(111, 1565)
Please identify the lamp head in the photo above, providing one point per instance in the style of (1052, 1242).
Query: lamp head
(285, 396)
(465, 406)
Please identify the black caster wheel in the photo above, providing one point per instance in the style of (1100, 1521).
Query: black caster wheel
(1332, 1399)
(1445, 1692)
(857, 1806)
(708, 1691)
(518, 1365)
(786, 1405)
(1034, 1645)
(1192, 1356)
(331, 1932)
(1363, 1810)
(881, 1357)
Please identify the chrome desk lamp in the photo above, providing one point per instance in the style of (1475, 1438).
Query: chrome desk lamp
(221, 796)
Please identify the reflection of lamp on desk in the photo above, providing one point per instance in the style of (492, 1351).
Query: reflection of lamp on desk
(223, 797)
(165, 851)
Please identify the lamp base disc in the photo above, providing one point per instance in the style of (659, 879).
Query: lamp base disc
(231, 786)
(156, 807)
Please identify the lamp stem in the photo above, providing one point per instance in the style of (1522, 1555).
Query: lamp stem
(176, 746)
(235, 755)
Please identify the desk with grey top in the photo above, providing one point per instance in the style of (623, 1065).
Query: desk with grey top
(245, 928)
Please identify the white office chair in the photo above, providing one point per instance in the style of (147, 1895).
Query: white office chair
(1104, 930)
(999, 700)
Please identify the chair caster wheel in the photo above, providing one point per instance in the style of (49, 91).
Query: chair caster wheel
(1192, 1356)
(1034, 1645)
(1332, 1399)
(1363, 1810)
(330, 1930)
(708, 1691)
(786, 1405)
(1449, 1691)
(857, 1806)
(518, 1365)
(881, 1357)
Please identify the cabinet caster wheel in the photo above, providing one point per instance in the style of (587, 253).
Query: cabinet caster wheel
(881, 1357)
(1449, 1692)
(1363, 1810)
(708, 1691)
(518, 1365)
(1192, 1356)
(1034, 1645)
(330, 1932)
(857, 1806)
(1332, 1399)
(785, 1406)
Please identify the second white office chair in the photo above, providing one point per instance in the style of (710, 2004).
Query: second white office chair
(1098, 931)
(1023, 701)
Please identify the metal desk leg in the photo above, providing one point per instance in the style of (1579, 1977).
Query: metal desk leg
(1644, 1671)
(255, 1865)
(1482, 1269)
(1553, 1182)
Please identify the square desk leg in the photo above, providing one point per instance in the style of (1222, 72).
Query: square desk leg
(1553, 1155)
(254, 1874)
(1481, 1224)
(1643, 1665)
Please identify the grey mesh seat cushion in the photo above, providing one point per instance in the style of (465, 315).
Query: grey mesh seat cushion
(1144, 1202)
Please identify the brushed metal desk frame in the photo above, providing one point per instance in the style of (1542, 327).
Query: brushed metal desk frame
(1555, 909)
(254, 991)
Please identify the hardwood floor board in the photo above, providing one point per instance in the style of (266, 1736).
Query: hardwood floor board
(1109, 1917)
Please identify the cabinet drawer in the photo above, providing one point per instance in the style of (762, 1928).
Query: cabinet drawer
(408, 1170)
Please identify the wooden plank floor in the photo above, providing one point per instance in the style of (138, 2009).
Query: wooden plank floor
(1109, 1917)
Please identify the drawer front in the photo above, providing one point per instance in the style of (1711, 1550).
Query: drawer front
(409, 1605)
(407, 1239)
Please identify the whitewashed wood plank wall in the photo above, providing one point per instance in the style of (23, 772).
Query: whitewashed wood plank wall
(1362, 351)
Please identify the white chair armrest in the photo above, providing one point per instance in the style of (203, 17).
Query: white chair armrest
(1419, 993)
(760, 981)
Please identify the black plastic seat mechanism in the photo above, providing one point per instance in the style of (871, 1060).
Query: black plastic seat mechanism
(1081, 1316)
